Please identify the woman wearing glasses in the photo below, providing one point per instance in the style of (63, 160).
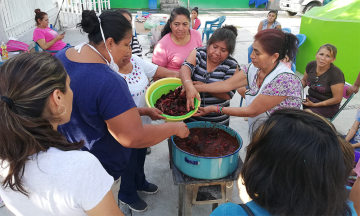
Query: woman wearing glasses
(325, 81)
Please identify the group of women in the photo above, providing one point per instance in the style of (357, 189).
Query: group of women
(91, 97)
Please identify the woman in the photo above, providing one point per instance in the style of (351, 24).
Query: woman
(104, 114)
(135, 45)
(272, 85)
(270, 22)
(177, 40)
(41, 173)
(136, 73)
(47, 38)
(210, 64)
(296, 164)
(325, 81)
(195, 21)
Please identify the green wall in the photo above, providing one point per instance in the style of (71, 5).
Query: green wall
(337, 23)
(132, 4)
(202, 4)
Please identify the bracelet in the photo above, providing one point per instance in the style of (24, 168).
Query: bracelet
(221, 110)
(218, 109)
(186, 81)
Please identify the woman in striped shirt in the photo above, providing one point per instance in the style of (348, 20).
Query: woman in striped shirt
(209, 64)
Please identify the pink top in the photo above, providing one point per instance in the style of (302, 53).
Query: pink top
(48, 34)
(168, 54)
(197, 23)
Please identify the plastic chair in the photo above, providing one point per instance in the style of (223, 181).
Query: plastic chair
(286, 30)
(348, 98)
(37, 46)
(302, 39)
(198, 27)
(215, 24)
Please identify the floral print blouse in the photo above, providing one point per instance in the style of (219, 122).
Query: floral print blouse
(283, 85)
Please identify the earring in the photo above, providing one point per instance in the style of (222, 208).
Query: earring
(63, 113)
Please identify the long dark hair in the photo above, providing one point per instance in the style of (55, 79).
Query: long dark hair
(297, 164)
(39, 15)
(173, 14)
(27, 81)
(276, 41)
(114, 25)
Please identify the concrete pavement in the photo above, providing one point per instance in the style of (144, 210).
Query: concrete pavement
(164, 203)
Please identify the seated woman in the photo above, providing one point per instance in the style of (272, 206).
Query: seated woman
(195, 21)
(272, 85)
(270, 22)
(41, 173)
(287, 173)
(47, 38)
(209, 64)
(177, 40)
(325, 81)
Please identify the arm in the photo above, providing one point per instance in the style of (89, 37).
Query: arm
(152, 112)
(261, 104)
(303, 81)
(352, 131)
(260, 27)
(47, 45)
(354, 88)
(236, 81)
(278, 27)
(128, 130)
(106, 207)
(337, 91)
(163, 72)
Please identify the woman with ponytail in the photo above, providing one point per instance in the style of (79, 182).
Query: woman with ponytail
(272, 85)
(177, 40)
(41, 173)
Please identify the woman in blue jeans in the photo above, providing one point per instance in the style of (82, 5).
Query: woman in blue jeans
(296, 164)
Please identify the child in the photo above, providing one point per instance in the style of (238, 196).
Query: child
(354, 134)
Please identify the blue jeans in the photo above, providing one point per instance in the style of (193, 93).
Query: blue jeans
(133, 177)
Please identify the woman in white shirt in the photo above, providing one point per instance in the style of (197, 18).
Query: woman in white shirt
(40, 171)
(136, 72)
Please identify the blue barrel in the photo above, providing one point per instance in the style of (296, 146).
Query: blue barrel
(152, 4)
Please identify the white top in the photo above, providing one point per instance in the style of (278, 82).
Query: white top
(59, 183)
(138, 82)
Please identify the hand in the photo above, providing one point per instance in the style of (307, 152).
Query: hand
(352, 89)
(205, 110)
(191, 93)
(309, 103)
(60, 37)
(182, 129)
(154, 113)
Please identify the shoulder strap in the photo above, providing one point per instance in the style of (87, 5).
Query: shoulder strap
(247, 209)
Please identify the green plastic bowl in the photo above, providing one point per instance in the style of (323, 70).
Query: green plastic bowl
(164, 89)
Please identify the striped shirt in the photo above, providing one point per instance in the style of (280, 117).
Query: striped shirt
(135, 46)
(199, 73)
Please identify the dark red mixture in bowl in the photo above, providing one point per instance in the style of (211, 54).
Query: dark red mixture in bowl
(172, 103)
(208, 142)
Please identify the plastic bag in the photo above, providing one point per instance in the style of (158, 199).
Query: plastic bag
(151, 22)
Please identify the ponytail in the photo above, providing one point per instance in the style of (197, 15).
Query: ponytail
(26, 83)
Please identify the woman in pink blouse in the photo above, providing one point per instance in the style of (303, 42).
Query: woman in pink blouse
(47, 38)
(195, 21)
(177, 41)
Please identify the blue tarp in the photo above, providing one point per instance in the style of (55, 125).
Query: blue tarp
(257, 2)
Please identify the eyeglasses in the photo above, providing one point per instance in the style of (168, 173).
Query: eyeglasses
(316, 79)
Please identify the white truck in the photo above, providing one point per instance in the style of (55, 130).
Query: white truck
(292, 7)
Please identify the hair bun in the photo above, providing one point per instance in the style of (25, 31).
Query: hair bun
(37, 10)
(89, 22)
(231, 28)
(196, 8)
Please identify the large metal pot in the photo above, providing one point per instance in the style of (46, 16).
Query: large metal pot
(206, 167)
